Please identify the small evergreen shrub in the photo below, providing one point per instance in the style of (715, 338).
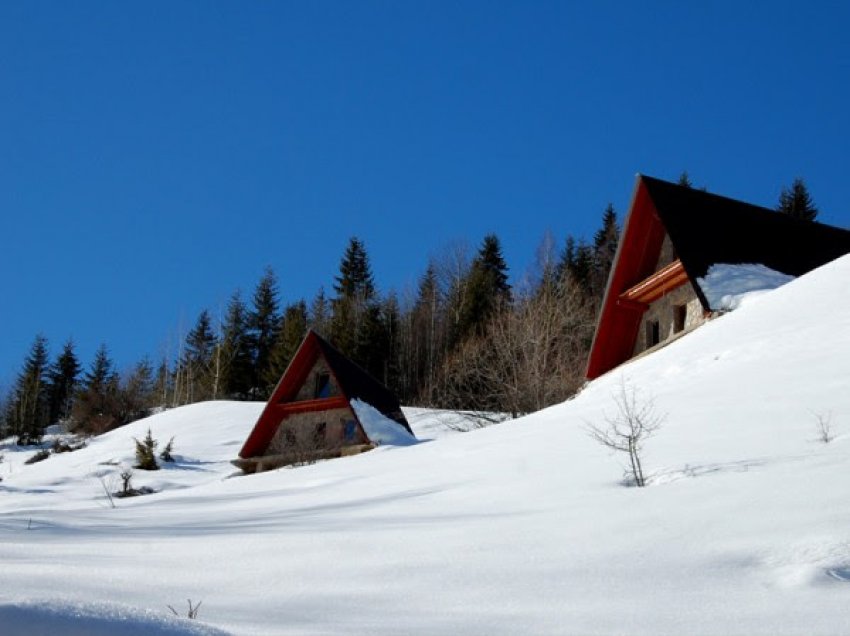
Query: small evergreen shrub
(60, 446)
(166, 455)
(146, 453)
(40, 456)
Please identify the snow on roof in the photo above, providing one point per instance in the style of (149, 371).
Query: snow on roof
(726, 284)
(379, 428)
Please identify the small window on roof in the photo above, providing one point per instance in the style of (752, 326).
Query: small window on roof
(323, 386)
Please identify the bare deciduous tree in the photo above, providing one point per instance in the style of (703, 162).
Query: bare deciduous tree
(532, 355)
(626, 431)
(823, 426)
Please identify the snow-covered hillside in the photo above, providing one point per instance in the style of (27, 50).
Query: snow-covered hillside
(521, 528)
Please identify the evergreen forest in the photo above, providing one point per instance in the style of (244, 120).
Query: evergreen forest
(464, 339)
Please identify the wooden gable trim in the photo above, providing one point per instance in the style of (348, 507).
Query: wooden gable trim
(660, 283)
(272, 415)
(280, 404)
(310, 406)
(637, 256)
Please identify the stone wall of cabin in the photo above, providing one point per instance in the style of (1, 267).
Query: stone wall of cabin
(304, 426)
(308, 389)
(667, 255)
(664, 311)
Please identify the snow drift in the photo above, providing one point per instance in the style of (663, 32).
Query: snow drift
(523, 527)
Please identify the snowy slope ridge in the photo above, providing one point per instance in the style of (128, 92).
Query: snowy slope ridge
(521, 528)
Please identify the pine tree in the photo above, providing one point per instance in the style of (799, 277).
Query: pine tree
(263, 325)
(28, 408)
(370, 347)
(576, 264)
(492, 264)
(146, 453)
(196, 365)
(137, 393)
(62, 379)
(797, 202)
(355, 292)
(685, 180)
(391, 322)
(427, 323)
(355, 275)
(320, 313)
(236, 361)
(486, 291)
(604, 250)
(289, 337)
(98, 406)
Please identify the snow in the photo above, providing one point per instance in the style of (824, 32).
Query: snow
(96, 619)
(380, 429)
(726, 286)
(523, 527)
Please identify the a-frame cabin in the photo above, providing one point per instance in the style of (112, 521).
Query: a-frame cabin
(310, 415)
(672, 237)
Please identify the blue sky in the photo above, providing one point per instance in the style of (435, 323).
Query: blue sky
(156, 156)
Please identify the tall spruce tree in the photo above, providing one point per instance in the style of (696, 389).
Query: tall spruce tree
(797, 202)
(28, 408)
(236, 355)
(486, 291)
(263, 325)
(355, 274)
(62, 379)
(604, 250)
(196, 365)
(320, 313)
(292, 331)
(98, 408)
(391, 322)
(576, 264)
(492, 264)
(138, 392)
(355, 292)
(427, 324)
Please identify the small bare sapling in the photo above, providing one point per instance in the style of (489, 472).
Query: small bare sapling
(193, 609)
(823, 426)
(626, 431)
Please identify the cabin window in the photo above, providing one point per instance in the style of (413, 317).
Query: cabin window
(653, 333)
(680, 312)
(350, 430)
(323, 386)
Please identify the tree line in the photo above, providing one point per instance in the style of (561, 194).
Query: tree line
(465, 338)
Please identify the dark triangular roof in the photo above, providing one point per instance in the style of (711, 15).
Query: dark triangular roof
(354, 383)
(705, 229)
